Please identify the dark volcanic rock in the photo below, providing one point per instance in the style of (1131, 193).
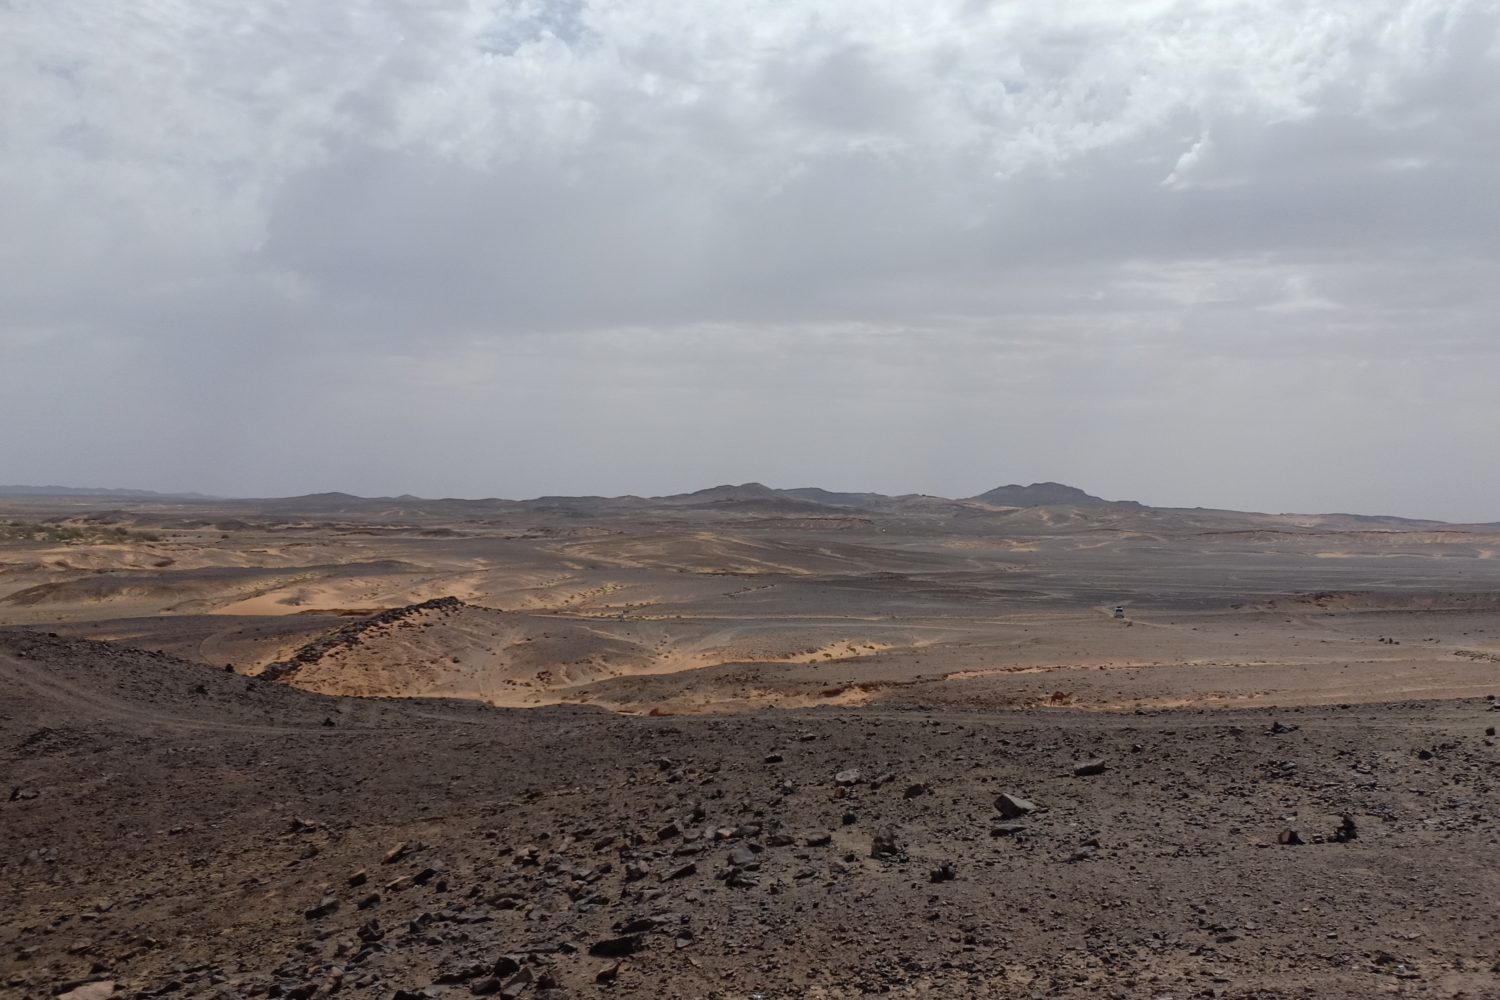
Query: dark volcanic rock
(617, 947)
(1013, 806)
(325, 906)
(886, 844)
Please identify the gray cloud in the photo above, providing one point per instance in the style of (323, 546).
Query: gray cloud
(1174, 249)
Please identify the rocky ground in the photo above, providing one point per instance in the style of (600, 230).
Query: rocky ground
(172, 829)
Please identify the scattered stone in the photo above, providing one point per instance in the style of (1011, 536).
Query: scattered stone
(742, 878)
(849, 778)
(1289, 838)
(463, 975)
(1089, 768)
(1007, 829)
(358, 879)
(608, 974)
(90, 991)
(774, 758)
(691, 868)
(886, 844)
(396, 853)
(640, 925)
(326, 906)
(1013, 806)
(617, 947)
(1085, 851)
(915, 791)
(818, 839)
(944, 872)
(1347, 831)
(516, 985)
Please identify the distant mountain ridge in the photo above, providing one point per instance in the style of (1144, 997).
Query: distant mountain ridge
(749, 499)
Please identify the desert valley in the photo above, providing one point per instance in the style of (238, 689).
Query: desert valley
(744, 742)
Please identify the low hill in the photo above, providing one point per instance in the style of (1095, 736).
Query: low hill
(1046, 495)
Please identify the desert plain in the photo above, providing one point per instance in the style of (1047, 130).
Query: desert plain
(744, 743)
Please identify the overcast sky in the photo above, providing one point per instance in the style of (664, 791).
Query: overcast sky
(1239, 253)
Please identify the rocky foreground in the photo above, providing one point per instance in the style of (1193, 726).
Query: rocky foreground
(174, 830)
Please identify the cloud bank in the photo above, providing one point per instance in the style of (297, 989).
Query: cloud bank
(1188, 251)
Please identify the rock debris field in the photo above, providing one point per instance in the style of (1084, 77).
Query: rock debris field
(177, 830)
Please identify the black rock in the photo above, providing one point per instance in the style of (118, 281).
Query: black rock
(325, 906)
(463, 975)
(1013, 806)
(886, 844)
(617, 947)
(742, 878)
(516, 985)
